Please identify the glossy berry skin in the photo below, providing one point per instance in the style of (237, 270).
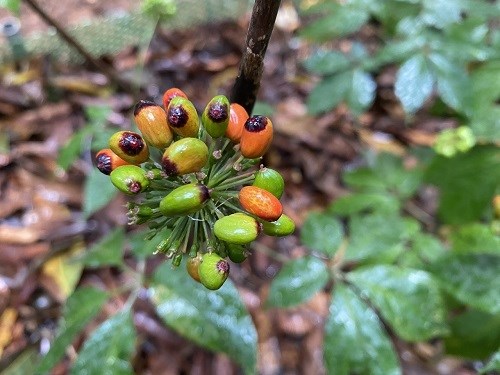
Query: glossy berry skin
(215, 117)
(213, 271)
(260, 202)
(129, 179)
(107, 161)
(187, 155)
(184, 200)
(256, 137)
(270, 180)
(151, 120)
(129, 146)
(170, 94)
(284, 226)
(237, 228)
(237, 118)
(182, 117)
(192, 266)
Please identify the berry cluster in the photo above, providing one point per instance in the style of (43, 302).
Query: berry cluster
(199, 181)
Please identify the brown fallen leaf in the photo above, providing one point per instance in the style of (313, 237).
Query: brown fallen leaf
(10, 234)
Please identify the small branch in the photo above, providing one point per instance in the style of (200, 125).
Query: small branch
(252, 64)
(106, 70)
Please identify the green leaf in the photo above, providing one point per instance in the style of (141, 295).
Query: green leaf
(466, 183)
(98, 192)
(72, 149)
(441, 13)
(414, 83)
(379, 237)
(216, 320)
(355, 342)
(12, 5)
(492, 365)
(143, 248)
(327, 62)
(297, 282)
(322, 232)
(81, 307)
(473, 279)
(328, 93)
(341, 20)
(362, 91)
(453, 83)
(109, 348)
(107, 252)
(474, 335)
(475, 238)
(409, 300)
(359, 202)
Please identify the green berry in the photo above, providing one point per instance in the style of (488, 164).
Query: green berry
(184, 200)
(270, 180)
(213, 271)
(187, 155)
(237, 228)
(129, 179)
(236, 253)
(279, 228)
(215, 117)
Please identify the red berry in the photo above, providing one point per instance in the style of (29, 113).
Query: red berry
(260, 203)
(256, 137)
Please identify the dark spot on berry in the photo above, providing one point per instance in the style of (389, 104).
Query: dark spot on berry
(256, 124)
(134, 187)
(177, 116)
(131, 143)
(104, 163)
(218, 112)
(204, 193)
(142, 104)
(222, 266)
(169, 167)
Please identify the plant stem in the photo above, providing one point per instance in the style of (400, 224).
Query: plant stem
(259, 32)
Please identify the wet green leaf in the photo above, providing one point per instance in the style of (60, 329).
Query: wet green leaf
(81, 307)
(441, 13)
(327, 62)
(414, 83)
(362, 91)
(216, 320)
(492, 365)
(12, 5)
(297, 282)
(98, 192)
(355, 341)
(109, 348)
(475, 238)
(473, 279)
(72, 149)
(329, 93)
(322, 232)
(409, 300)
(359, 202)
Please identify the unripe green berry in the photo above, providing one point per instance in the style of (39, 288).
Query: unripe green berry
(215, 117)
(237, 228)
(236, 253)
(129, 179)
(187, 155)
(213, 271)
(270, 180)
(184, 200)
(279, 228)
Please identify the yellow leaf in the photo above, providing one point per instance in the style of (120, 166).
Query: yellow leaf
(7, 321)
(61, 273)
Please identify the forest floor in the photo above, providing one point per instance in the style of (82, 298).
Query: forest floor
(42, 104)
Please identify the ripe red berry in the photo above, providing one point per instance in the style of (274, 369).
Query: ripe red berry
(237, 118)
(107, 161)
(256, 137)
(260, 203)
(170, 94)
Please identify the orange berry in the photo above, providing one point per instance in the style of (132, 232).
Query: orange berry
(170, 94)
(237, 117)
(256, 136)
(107, 161)
(260, 203)
(151, 120)
(183, 118)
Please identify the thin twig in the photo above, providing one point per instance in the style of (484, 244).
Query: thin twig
(105, 69)
(252, 64)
